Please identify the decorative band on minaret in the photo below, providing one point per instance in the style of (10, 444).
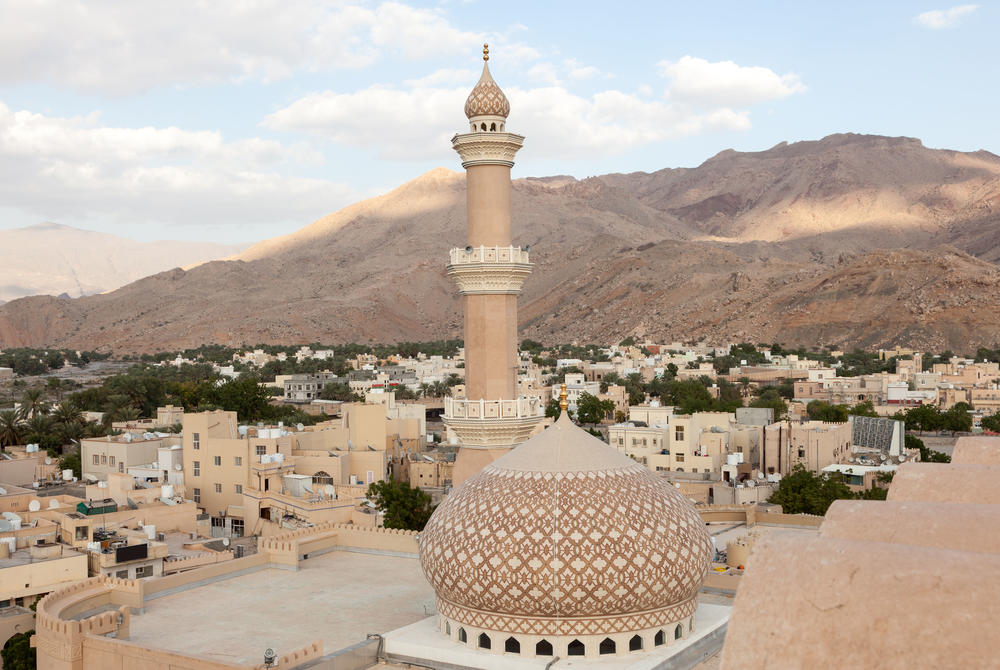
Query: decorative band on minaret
(489, 272)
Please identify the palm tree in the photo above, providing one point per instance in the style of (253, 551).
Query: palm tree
(113, 407)
(10, 428)
(424, 388)
(33, 403)
(127, 414)
(67, 413)
(38, 429)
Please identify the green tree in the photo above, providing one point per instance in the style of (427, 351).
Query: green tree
(67, 413)
(990, 423)
(863, 408)
(770, 397)
(957, 419)
(552, 410)
(245, 396)
(10, 428)
(337, 391)
(591, 409)
(924, 418)
(403, 506)
(18, 653)
(819, 410)
(927, 455)
(71, 461)
(803, 492)
(33, 403)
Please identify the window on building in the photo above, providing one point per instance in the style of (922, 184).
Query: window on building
(218, 488)
(218, 521)
(321, 478)
(82, 532)
(802, 453)
(196, 440)
(678, 632)
(143, 571)
(512, 646)
(576, 648)
(121, 467)
(238, 460)
(122, 574)
(239, 488)
(680, 458)
(196, 494)
(104, 459)
(97, 459)
(216, 460)
(462, 636)
(635, 644)
(543, 648)
(607, 646)
(237, 527)
(111, 461)
(484, 641)
(679, 433)
(261, 449)
(370, 477)
(659, 638)
(196, 468)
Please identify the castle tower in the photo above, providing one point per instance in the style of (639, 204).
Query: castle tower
(489, 272)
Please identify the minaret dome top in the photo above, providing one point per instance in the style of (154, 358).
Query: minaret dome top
(486, 99)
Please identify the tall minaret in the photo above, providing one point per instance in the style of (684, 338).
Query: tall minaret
(489, 272)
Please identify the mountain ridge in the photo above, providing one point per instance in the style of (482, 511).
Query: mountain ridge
(780, 245)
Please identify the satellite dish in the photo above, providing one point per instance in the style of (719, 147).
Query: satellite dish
(34, 506)
(53, 504)
(225, 542)
(48, 460)
(178, 467)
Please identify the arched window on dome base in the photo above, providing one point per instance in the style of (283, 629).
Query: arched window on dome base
(635, 644)
(543, 648)
(607, 646)
(678, 632)
(447, 628)
(512, 646)
(576, 648)
(660, 638)
(485, 642)
(462, 637)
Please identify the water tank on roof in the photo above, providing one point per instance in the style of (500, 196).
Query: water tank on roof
(167, 491)
(150, 532)
(67, 475)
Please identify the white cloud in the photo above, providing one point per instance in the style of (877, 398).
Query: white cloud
(76, 169)
(944, 18)
(578, 70)
(725, 83)
(416, 123)
(544, 73)
(134, 46)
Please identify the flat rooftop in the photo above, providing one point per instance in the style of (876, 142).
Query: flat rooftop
(337, 597)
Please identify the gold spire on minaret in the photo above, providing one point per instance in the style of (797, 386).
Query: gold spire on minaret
(563, 402)
(486, 52)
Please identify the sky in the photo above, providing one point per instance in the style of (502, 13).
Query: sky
(242, 120)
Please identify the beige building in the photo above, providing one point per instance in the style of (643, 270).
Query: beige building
(102, 456)
(812, 444)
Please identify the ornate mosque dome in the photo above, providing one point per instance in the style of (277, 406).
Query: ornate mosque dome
(566, 538)
(486, 99)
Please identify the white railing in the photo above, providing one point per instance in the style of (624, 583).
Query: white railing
(521, 408)
(481, 254)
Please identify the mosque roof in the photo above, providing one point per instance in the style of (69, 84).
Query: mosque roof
(561, 530)
(486, 98)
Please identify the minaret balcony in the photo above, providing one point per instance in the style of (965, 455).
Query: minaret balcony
(479, 270)
(493, 423)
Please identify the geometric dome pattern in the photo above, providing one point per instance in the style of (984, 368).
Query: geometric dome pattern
(609, 540)
(486, 99)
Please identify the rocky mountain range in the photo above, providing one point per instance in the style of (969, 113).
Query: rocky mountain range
(58, 260)
(848, 241)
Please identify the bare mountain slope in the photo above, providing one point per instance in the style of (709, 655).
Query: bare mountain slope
(841, 241)
(53, 259)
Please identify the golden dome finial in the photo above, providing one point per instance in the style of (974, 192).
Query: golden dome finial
(486, 52)
(563, 402)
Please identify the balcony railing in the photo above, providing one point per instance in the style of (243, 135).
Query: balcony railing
(482, 254)
(521, 408)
